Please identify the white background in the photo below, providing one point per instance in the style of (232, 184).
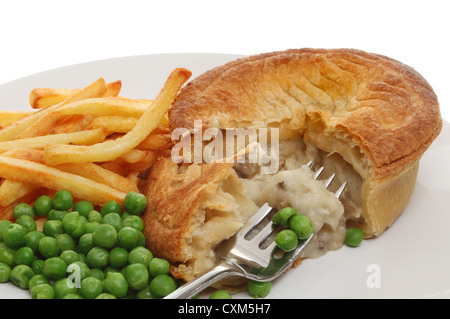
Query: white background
(41, 35)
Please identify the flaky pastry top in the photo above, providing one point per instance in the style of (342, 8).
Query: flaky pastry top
(375, 103)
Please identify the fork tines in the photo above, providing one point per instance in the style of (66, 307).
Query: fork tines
(328, 181)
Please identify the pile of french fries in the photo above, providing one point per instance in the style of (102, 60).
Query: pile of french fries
(91, 142)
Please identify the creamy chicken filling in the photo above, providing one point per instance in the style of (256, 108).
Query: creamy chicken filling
(246, 189)
(294, 185)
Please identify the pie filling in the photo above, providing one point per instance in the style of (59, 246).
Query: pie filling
(294, 185)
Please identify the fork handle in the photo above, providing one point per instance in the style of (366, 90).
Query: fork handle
(203, 281)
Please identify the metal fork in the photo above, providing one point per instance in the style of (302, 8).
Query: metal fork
(250, 257)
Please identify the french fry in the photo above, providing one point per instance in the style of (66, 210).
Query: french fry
(6, 213)
(156, 142)
(114, 88)
(120, 168)
(11, 191)
(89, 170)
(26, 154)
(44, 124)
(133, 156)
(9, 117)
(106, 106)
(45, 97)
(52, 178)
(29, 123)
(133, 177)
(118, 124)
(73, 124)
(99, 174)
(87, 137)
(55, 154)
(145, 163)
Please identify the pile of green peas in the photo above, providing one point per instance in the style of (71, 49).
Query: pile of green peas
(81, 252)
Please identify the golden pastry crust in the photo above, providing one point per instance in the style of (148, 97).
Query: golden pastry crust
(173, 205)
(191, 210)
(377, 113)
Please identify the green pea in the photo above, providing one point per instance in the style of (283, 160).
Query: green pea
(63, 287)
(258, 289)
(37, 280)
(109, 269)
(42, 291)
(162, 285)
(5, 272)
(114, 220)
(282, 216)
(116, 284)
(7, 256)
(43, 205)
(21, 275)
(286, 240)
(145, 294)
(90, 227)
(14, 236)
(79, 269)
(23, 209)
(48, 247)
(158, 266)
(57, 214)
(82, 257)
(37, 266)
(128, 238)
(27, 223)
(91, 288)
(106, 296)
(135, 203)
(24, 256)
(3, 225)
(74, 224)
(125, 215)
(220, 294)
(302, 226)
(105, 236)
(110, 207)
(69, 256)
(137, 276)
(52, 228)
(134, 221)
(95, 217)
(97, 258)
(32, 240)
(85, 243)
(97, 273)
(72, 296)
(65, 242)
(118, 257)
(62, 200)
(141, 239)
(354, 237)
(83, 207)
(54, 268)
(140, 255)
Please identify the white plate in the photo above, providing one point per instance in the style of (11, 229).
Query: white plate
(410, 260)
